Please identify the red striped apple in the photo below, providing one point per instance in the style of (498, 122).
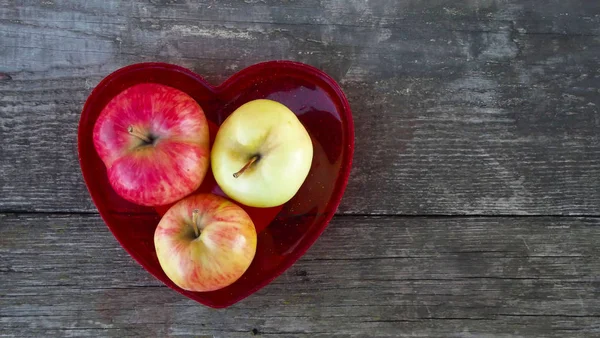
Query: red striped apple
(154, 142)
(262, 154)
(205, 242)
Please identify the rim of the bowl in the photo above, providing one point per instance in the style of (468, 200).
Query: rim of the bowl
(345, 170)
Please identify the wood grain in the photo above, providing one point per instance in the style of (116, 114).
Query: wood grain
(478, 107)
(66, 275)
(462, 108)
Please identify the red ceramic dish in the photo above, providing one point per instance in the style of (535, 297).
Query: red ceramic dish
(285, 232)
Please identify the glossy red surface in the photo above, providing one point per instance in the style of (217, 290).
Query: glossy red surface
(284, 232)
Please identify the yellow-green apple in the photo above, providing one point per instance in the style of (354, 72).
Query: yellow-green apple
(205, 242)
(154, 142)
(262, 154)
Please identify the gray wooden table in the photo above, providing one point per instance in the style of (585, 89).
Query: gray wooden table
(473, 208)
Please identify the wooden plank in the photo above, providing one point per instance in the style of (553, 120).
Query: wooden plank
(564, 17)
(460, 107)
(366, 276)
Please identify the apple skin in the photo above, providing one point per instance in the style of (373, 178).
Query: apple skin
(273, 134)
(176, 160)
(219, 256)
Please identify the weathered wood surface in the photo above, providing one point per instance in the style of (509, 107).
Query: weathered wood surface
(481, 107)
(478, 107)
(367, 276)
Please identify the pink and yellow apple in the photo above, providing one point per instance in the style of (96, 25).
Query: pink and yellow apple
(205, 242)
(154, 142)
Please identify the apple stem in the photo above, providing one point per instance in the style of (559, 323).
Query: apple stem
(195, 215)
(138, 135)
(246, 166)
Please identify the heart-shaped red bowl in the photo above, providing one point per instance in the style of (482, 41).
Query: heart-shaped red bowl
(285, 232)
